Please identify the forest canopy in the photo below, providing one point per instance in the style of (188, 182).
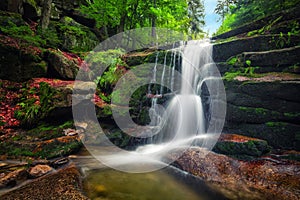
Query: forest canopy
(235, 13)
(113, 16)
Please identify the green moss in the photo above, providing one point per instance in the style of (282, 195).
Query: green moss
(291, 115)
(276, 124)
(31, 112)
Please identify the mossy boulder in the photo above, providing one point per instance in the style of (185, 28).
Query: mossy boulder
(44, 141)
(241, 146)
(74, 36)
(20, 62)
(61, 66)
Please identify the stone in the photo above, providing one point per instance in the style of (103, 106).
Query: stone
(65, 183)
(262, 178)
(76, 37)
(12, 178)
(241, 146)
(222, 51)
(272, 58)
(278, 134)
(20, 62)
(61, 66)
(40, 170)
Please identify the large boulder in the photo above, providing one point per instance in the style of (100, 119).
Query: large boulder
(20, 61)
(74, 36)
(258, 179)
(60, 65)
(241, 146)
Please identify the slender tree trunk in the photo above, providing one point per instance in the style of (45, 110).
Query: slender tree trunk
(46, 14)
(153, 33)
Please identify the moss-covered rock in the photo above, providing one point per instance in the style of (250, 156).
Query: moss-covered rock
(239, 146)
(278, 134)
(19, 63)
(74, 36)
(60, 66)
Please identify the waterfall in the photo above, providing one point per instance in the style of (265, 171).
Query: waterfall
(188, 108)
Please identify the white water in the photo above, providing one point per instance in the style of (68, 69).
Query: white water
(193, 116)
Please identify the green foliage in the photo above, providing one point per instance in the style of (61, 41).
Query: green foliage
(31, 110)
(239, 12)
(116, 16)
(276, 124)
(22, 32)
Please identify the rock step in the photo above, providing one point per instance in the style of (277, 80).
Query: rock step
(273, 58)
(222, 51)
(258, 24)
(279, 135)
(257, 115)
(265, 108)
(273, 95)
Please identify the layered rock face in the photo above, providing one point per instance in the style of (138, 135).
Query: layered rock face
(261, 77)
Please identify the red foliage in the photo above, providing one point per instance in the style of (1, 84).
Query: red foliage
(75, 58)
(20, 45)
(52, 82)
(10, 94)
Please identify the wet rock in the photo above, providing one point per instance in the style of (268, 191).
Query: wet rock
(39, 170)
(60, 162)
(258, 179)
(241, 146)
(12, 178)
(63, 184)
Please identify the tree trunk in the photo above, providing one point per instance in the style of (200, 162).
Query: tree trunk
(153, 33)
(46, 14)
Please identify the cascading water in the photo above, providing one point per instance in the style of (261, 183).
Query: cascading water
(193, 111)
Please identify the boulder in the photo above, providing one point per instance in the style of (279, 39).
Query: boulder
(61, 66)
(74, 36)
(39, 170)
(241, 146)
(20, 61)
(258, 179)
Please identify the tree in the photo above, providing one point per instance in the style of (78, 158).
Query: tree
(46, 14)
(196, 17)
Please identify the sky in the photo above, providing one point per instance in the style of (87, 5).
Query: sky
(210, 17)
